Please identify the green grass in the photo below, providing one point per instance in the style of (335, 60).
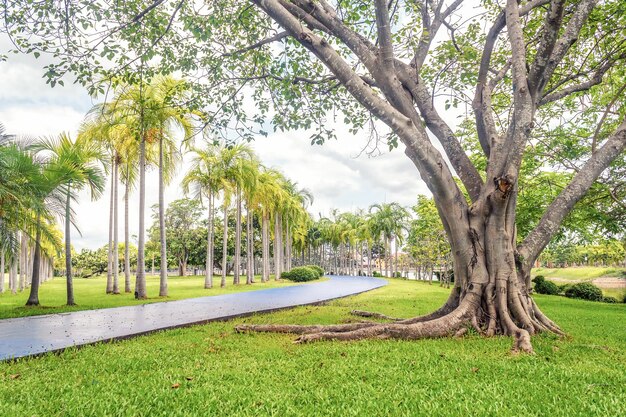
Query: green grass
(90, 294)
(220, 373)
(579, 273)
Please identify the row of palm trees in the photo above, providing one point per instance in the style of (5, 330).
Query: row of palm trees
(234, 174)
(39, 180)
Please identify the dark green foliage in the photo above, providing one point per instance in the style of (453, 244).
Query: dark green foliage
(564, 287)
(316, 268)
(585, 291)
(397, 275)
(300, 274)
(610, 300)
(542, 286)
(377, 274)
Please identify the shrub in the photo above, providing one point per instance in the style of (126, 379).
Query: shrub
(624, 300)
(377, 274)
(300, 274)
(546, 287)
(397, 275)
(318, 269)
(610, 300)
(538, 279)
(564, 287)
(585, 291)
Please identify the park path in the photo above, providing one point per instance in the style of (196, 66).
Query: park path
(28, 336)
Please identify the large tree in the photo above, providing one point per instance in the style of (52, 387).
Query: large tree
(533, 70)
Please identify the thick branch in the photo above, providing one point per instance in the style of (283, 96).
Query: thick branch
(549, 224)
(549, 33)
(275, 38)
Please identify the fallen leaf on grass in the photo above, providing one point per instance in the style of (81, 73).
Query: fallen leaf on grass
(188, 378)
(176, 385)
(475, 369)
(15, 376)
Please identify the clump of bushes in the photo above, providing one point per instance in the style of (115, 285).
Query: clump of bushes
(377, 274)
(584, 291)
(543, 286)
(318, 269)
(301, 274)
(610, 300)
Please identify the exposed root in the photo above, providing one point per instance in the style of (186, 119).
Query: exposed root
(298, 329)
(522, 342)
(372, 314)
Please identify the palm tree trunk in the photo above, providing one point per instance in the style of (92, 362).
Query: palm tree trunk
(369, 258)
(109, 288)
(13, 275)
(33, 298)
(116, 251)
(396, 255)
(277, 247)
(237, 263)
(288, 246)
(208, 279)
(249, 246)
(68, 250)
(163, 280)
(140, 281)
(2, 272)
(265, 248)
(126, 241)
(23, 261)
(224, 245)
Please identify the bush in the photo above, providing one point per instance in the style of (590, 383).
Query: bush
(585, 291)
(397, 275)
(377, 274)
(538, 279)
(610, 300)
(564, 287)
(624, 300)
(546, 287)
(300, 274)
(318, 269)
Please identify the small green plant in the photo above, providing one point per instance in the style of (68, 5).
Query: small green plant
(317, 268)
(377, 274)
(300, 274)
(610, 300)
(543, 286)
(584, 291)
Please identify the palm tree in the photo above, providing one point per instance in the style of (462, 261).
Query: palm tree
(79, 162)
(205, 179)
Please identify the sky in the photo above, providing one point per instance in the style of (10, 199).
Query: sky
(338, 174)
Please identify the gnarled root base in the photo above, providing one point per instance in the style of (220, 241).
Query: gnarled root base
(457, 323)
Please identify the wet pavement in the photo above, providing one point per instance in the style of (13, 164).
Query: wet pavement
(28, 336)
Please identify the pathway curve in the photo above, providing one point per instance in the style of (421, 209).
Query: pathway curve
(28, 336)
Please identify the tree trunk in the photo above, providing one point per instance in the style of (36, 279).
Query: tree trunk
(126, 241)
(288, 246)
(249, 246)
(68, 250)
(208, 279)
(237, 262)
(369, 258)
(33, 298)
(116, 251)
(265, 247)
(2, 266)
(225, 245)
(13, 275)
(23, 261)
(163, 279)
(277, 247)
(140, 281)
(109, 288)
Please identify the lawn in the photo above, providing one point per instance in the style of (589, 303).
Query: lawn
(210, 370)
(90, 294)
(588, 273)
(580, 273)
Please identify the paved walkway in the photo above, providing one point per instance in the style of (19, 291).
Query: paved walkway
(27, 336)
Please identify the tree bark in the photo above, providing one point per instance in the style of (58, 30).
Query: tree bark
(265, 247)
(237, 261)
(33, 298)
(163, 275)
(109, 288)
(208, 279)
(116, 251)
(225, 245)
(126, 241)
(249, 246)
(68, 250)
(140, 281)
(2, 267)
(278, 247)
